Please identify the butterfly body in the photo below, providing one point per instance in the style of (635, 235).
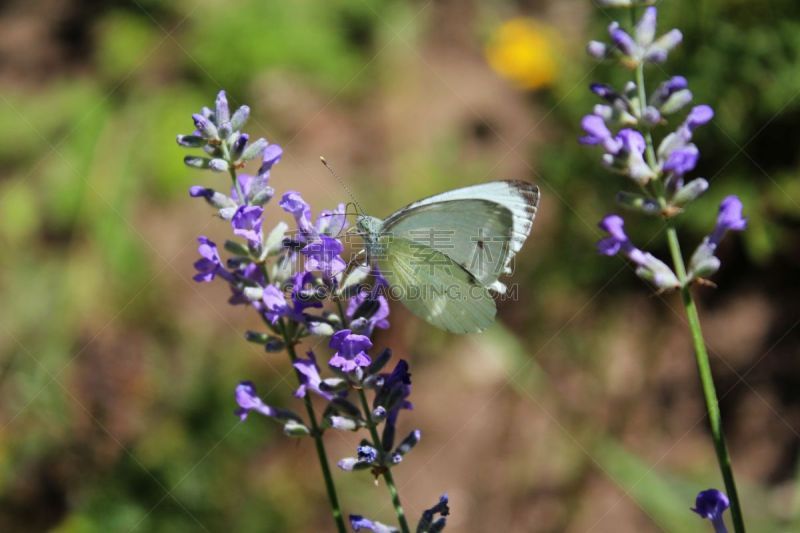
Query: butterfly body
(444, 254)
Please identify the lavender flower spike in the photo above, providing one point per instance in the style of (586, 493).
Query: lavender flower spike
(648, 267)
(711, 504)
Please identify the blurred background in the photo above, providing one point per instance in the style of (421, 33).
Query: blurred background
(580, 411)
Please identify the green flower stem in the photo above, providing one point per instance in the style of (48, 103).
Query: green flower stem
(707, 381)
(333, 499)
(387, 472)
(701, 354)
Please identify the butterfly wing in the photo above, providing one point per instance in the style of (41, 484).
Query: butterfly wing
(481, 227)
(434, 287)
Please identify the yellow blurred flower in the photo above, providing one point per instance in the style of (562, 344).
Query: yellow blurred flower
(522, 50)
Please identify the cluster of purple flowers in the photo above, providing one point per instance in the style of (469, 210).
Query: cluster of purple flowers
(286, 276)
(624, 126)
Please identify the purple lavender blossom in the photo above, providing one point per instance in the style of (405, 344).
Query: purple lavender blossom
(629, 159)
(247, 222)
(703, 262)
(310, 380)
(248, 401)
(271, 156)
(209, 265)
(598, 133)
(682, 160)
(275, 305)
(323, 255)
(711, 504)
(351, 350)
(648, 266)
(293, 203)
(729, 219)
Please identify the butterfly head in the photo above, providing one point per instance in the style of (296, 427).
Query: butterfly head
(368, 226)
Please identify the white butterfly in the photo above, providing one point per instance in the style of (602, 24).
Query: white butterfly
(442, 255)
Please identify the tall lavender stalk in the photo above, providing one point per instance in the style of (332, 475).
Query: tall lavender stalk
(659, 170)
(286, 276)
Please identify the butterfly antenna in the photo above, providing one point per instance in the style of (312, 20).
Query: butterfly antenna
(342, 183)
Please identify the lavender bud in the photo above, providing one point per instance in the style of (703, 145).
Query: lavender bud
(651, 116)
(218, 165)
(658, 273)
(196, 161)
(597, 50)
(378, 414)
(333, 385)
(255, 337)
(703, 262)
(409, 442)
(253, 294)
(677, 101)
(638, 202)
(343, 423)
(646, 27)
(254, 150)
(214, 198)
(322, 329)
(190, 141)
(240, 117)
(262, 195)
(658, 51)
(293, 428)
(622, 40)
(222, 111)
(689, 192)
(349, 464)
(666, 89)
(227, 213)
(204, 125)
(238, 146)
(225, 131)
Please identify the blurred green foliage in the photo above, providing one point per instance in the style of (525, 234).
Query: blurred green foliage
(90, 319)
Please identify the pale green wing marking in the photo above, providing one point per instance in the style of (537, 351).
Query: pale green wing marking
(434, 287)
(476, 234)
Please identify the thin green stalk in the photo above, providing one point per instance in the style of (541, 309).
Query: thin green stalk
(701, 354)
(387, 473)
(336, 510)
(707, 381)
